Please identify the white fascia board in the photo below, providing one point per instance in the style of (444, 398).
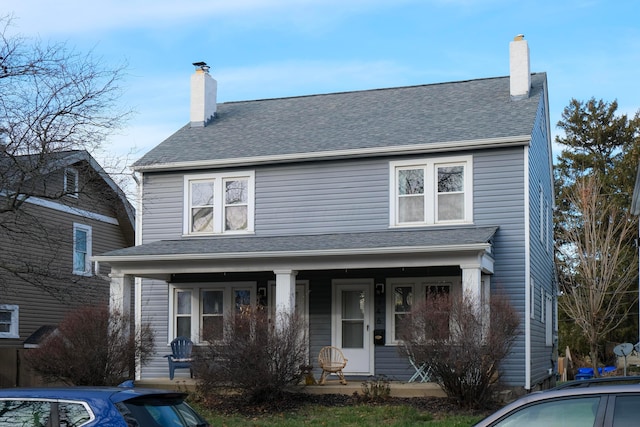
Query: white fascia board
(482, 247)
(341, 154)
(50, 204)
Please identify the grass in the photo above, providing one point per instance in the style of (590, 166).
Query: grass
(343, 416)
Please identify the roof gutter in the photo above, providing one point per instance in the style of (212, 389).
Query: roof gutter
(396, 150)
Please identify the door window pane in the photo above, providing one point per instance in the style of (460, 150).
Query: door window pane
(353, 303)
(242, 299)
(352, 334)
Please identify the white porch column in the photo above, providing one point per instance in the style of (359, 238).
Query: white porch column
(472, 282)
(285, 291)
(120, 293)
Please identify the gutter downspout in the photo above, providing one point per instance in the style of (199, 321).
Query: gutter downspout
(527, 275)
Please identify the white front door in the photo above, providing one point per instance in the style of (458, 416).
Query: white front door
(352, 324)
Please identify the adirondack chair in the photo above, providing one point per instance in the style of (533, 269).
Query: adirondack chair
(332, 361)
(180, 357)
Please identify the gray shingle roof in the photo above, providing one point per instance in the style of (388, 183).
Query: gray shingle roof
(436, 237)
(445, 112)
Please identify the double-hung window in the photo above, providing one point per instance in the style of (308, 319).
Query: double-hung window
(431, 191)
(219, 203)
(198, 311)
(9, 321)
(404, 294)
(81, 249)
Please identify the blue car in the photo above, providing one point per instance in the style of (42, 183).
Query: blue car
(96, 406)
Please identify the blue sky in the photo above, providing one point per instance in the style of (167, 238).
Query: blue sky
(278, 48)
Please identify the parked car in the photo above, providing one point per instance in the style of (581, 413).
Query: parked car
(597, 406)
(633, 379)
(96, 406)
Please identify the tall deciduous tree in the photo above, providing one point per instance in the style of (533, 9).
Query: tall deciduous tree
(599, 142)
(52, 100)
(597, 262)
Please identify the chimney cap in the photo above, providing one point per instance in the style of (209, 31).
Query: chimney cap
(518, 37)
(201, 66)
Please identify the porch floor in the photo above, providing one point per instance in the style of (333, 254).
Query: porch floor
(398, 389)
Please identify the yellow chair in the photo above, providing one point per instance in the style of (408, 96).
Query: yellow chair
(331, 361)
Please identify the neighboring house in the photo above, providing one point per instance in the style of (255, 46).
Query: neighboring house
(348, 207)
(70, 210)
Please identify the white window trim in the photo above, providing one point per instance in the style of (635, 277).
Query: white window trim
(541, 214)
(75, 174)
(218, 215)
(548, 320)
(532, 299)
(419, 285)
(87, 262)
(196, 305)
(13, 330)
(430, 190)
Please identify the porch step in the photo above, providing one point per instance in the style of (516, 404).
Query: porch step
(397, 389)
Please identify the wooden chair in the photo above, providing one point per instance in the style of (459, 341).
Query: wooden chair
(180, 356)
(331, 361)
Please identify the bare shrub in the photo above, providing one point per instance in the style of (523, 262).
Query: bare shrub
(92, 346)
(256, 356)
(462, 341)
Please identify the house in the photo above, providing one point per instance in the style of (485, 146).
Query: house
(344, 206)
(70, 209)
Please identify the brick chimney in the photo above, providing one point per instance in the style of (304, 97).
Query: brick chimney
(519, 68)
(204, 89)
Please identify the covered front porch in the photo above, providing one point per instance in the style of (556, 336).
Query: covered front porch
(351, 289)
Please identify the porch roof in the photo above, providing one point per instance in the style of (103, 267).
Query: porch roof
(390, 248)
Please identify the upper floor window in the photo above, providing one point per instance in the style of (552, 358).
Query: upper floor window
(9, 321)
(81, 249)
(71, 182)
(431, 191)
(219, 203)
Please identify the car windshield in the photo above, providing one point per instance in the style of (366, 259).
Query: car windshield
(159, 412)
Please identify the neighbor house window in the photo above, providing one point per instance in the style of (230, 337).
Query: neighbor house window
(219, 203)
(431, 191)
(71, 182)
(199, 311)
(9, 321)
(81, 249)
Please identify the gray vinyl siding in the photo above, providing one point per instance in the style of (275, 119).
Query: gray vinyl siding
(352, 196)
(329, 197)
(162, 207)
(542, 270)
(155, 311)
(499, 182)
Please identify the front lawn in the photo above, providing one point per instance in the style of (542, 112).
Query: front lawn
(339, 411)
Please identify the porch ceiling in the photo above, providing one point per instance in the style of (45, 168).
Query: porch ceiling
(388, 249)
